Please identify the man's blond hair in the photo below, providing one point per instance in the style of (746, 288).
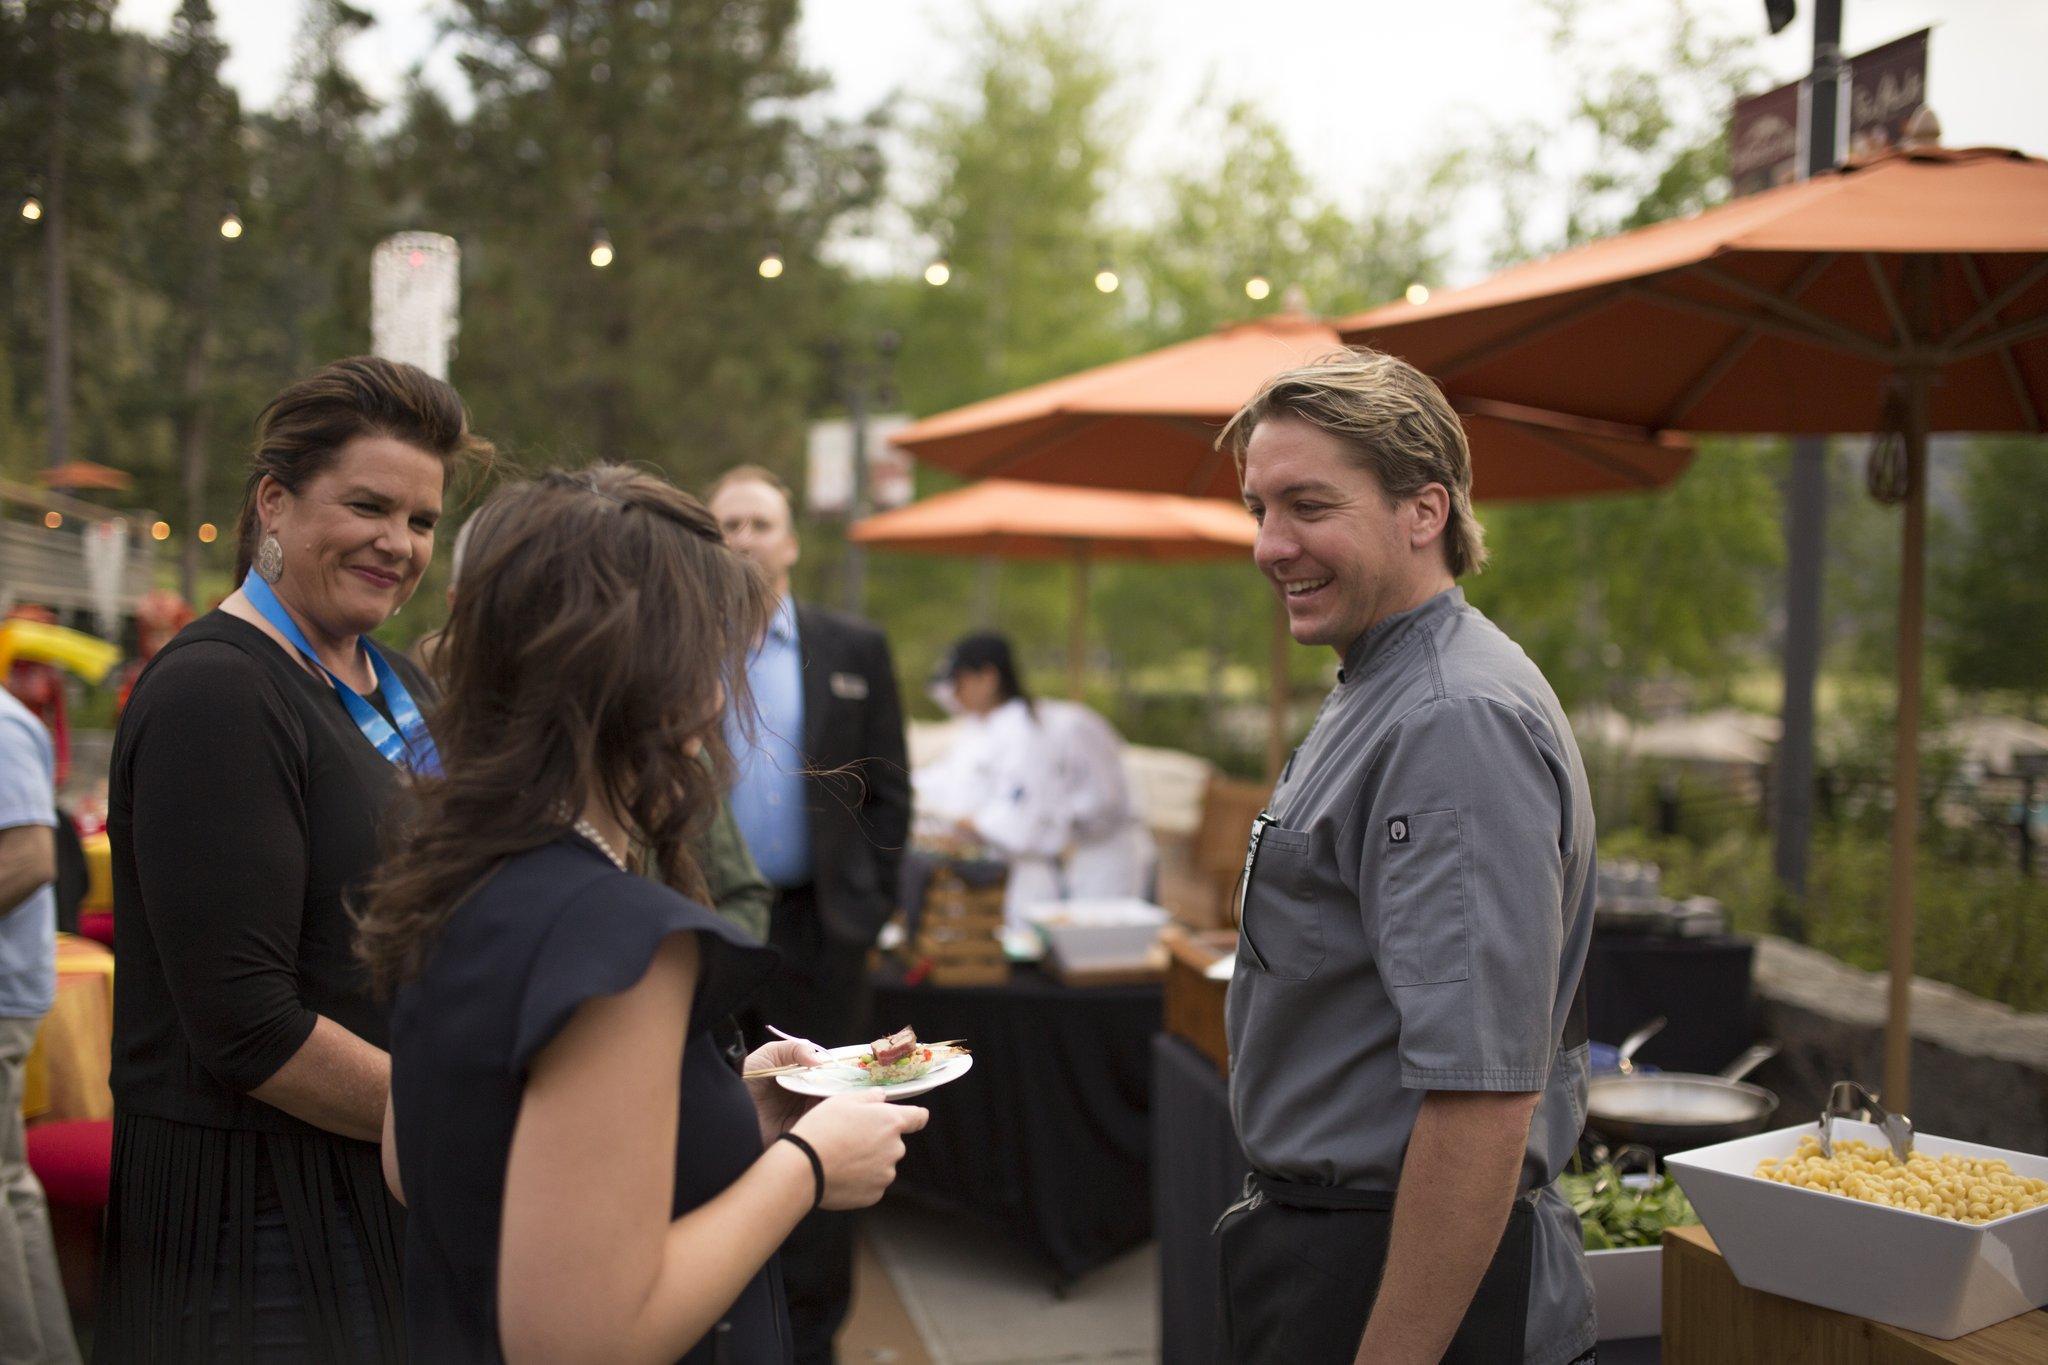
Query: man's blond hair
(1393, 420)
(752, 473)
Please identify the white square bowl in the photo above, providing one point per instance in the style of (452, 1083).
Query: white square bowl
(1099, 935)
(1628, 1291)
(1913, 1270)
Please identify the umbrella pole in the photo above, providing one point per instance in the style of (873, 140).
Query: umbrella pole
(1898, 1034)
(1276, 704)
(1077, 624)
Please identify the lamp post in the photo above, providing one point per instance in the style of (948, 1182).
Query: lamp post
(1805, 521)
(861, 378)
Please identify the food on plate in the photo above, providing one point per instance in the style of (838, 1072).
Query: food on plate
(900, 1057)
(1613, 1213)
(1966, 1189)
(895, 1047)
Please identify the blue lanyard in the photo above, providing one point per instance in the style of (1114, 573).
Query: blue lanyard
(409, 746)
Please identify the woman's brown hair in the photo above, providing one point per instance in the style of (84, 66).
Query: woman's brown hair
(602, 624)
(302, 429)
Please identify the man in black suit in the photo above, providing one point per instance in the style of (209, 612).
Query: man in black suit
(823, 800)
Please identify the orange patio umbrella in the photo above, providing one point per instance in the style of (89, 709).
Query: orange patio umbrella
(1150, 423)
(1902, 294)
(1047, 521)
(85, 476)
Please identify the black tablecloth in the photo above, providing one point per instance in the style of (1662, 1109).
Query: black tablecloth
(1197, 1172)
(1700, 985)
(1047, 1139)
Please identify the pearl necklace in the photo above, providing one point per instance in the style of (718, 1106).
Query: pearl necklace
(589, 831)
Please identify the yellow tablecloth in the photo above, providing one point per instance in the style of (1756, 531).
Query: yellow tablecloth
(66, 1076)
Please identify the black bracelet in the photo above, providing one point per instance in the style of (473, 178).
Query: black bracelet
(817, 1166)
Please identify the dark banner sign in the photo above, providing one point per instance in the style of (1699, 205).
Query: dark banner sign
(1766, 133)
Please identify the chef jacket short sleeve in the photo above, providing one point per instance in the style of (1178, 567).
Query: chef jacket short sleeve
(1464, 837)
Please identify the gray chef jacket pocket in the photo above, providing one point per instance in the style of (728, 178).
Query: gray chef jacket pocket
(1280, 919)
(1425, 900)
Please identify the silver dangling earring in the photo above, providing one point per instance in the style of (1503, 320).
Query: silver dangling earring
(269, 563)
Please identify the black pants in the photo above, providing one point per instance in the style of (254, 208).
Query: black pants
(1299, 1282)
(819, 992)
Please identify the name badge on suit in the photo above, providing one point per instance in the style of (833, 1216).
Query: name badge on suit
(849, 687)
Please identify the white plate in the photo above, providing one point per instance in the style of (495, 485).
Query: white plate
(826, 1080)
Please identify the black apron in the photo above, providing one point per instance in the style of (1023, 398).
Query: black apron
(1302, 1266)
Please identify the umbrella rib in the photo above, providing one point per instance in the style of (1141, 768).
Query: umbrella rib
(1479, 355)
(2011, 336)
(1790, 312)
(1619, 468)
(1900, 328)
(995, 467)
(1860, 346)
(2006, 361)
(1990, 311)
(1726, 361)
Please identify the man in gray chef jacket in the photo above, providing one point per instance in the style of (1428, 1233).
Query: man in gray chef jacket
(1407, 1033)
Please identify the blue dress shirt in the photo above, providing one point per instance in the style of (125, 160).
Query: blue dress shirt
(768, 798)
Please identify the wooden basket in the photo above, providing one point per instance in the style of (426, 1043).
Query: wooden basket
(959, 933)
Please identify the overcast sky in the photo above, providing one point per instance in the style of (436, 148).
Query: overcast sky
(1363, 87)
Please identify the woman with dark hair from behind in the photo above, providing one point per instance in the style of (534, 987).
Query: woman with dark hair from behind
(251, 771)
(589, 1178)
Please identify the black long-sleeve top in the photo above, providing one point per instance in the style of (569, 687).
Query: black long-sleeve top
(243, 804)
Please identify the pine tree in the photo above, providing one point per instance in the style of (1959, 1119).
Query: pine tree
(198, 179)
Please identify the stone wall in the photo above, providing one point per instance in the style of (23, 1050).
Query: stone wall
(1980, 1070)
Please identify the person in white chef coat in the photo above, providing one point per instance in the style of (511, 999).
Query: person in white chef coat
(1040, 782)
(997, 785)
(1110, 852)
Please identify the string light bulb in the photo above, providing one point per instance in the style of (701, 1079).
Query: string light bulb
(937, 273)
(1106, 280)
(1257, 288)
(1418, 293)
(771, 265)
(208, 533)
(230, 225)
(160, 530)
(53, 519)
(31, 208)
(601, 253)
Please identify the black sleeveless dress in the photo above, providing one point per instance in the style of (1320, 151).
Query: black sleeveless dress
(549, 930)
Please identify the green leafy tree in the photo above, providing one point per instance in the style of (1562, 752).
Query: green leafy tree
(1609, 593)
(1248, 208)
(1991, 593)
(1018, 166)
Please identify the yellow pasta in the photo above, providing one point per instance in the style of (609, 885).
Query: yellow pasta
(1967, 1189)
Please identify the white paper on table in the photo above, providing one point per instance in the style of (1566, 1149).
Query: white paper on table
(1222, 969)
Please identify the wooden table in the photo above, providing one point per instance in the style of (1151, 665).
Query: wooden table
(1709, 1319)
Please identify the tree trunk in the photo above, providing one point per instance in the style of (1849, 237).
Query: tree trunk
(56, 268)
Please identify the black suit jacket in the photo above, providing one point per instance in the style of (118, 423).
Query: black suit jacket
(859, 785)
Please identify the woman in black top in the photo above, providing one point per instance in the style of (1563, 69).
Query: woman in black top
(247, 1220)
(588, 1176)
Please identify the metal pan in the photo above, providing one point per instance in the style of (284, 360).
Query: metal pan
(1672, 1110)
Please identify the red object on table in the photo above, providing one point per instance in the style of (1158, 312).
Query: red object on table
(97, 925)
(74, 1160)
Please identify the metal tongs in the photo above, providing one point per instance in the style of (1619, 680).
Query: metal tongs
(1848, 1100)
